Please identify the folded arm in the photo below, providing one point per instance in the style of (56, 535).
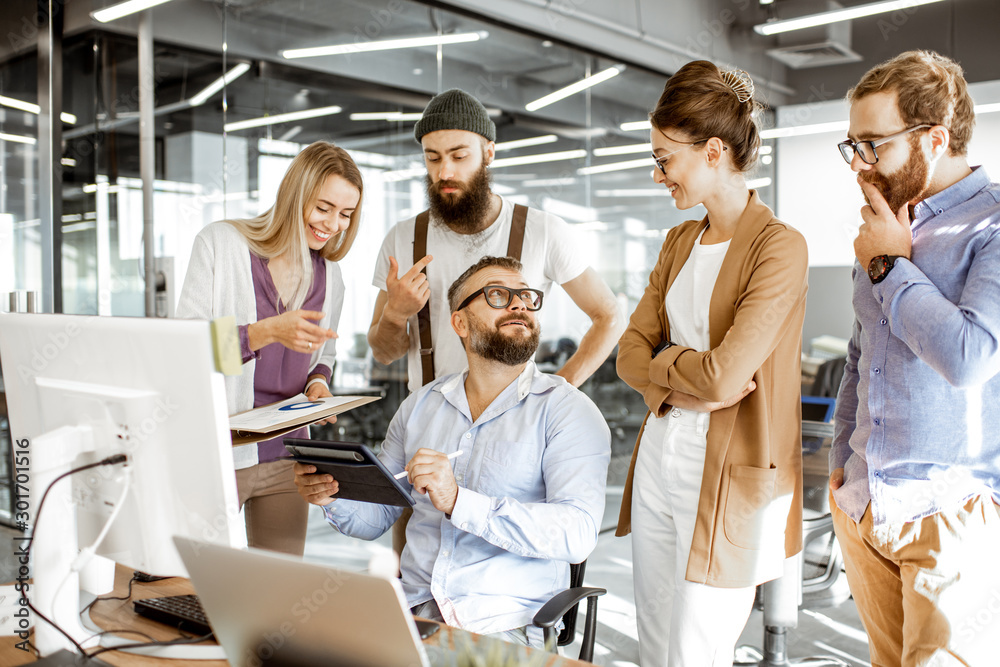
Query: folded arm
(765, 311)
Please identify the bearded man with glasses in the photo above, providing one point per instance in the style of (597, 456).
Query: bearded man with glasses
(509, 466)
(916, 452)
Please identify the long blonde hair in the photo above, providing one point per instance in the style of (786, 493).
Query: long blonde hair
(282, 229)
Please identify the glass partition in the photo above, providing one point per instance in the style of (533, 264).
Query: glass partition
(234, 103)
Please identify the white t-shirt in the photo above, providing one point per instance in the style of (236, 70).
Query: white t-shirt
(548, 254)
(690, 295)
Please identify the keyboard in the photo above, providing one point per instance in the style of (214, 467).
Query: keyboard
(177, 611)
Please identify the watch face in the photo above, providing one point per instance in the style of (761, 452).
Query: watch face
(878, 267)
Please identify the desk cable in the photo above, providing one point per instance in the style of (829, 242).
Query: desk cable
(111, 460)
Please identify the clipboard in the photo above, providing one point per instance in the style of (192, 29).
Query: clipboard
(282, 426)
(359, 473)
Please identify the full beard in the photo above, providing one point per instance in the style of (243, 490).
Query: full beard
(906, 184)
(463, 211)
(493, 344)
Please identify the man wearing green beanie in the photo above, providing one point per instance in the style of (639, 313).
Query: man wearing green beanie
(422, 256)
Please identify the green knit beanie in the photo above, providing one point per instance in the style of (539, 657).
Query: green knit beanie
(455, 109)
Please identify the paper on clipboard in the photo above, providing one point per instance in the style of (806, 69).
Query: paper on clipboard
(277, 419)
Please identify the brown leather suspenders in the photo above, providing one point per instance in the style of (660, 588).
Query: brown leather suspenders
(514, 244)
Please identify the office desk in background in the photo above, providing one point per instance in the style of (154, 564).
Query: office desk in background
(118, 614)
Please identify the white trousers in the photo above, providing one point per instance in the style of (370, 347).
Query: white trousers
(681, 624)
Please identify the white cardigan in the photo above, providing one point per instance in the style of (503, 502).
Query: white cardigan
(219, 282)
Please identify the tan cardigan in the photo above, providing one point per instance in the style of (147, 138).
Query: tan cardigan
(751, 491)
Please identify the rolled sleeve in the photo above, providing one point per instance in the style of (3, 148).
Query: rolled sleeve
(246, 352)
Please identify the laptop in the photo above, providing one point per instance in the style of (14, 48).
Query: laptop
(275, 610)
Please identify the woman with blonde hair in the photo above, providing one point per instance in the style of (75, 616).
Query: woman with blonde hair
(278, 275)
(713, 496)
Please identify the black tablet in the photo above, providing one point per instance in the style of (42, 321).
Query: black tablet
(360, 474)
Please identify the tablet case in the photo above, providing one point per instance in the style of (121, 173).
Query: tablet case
(360, 474)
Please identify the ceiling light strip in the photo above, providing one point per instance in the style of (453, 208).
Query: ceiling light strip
(16, 138)
(623, 150)
(211, 89)
(395, 116)
(538, 158)
(67, 118)
(635, 125)
(574, 88)
(524, 143)
(282, 118)
(837, 15)
(384, 45)
(115, 12)
(646, 162)
(802, 130)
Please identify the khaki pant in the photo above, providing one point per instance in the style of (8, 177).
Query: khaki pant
(276, 514)
(927, 591)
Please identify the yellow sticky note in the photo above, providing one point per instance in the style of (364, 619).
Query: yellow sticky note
(226, 346)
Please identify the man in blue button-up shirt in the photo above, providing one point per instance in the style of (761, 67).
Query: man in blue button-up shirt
(916, 453)
(494, 529)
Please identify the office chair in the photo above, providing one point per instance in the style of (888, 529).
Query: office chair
(564, 605)
(780, 600)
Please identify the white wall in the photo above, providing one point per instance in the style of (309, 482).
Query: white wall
(818, 193)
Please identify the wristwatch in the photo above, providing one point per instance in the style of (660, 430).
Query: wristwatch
(662, 346)
(880, 266)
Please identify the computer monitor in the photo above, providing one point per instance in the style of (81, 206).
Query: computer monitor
(81, 389)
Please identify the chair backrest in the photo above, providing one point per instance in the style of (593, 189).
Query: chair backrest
(568, 634)
(828, 377)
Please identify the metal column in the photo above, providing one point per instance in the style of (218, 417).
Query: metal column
(50, 86)
(147, 154)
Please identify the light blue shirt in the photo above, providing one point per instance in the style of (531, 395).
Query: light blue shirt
(531, 481)
(918, 413)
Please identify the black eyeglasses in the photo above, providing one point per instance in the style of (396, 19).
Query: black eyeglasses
(866, 149)
(498, 296)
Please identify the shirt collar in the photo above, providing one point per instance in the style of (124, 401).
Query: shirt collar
(530, 381)
(952, 196)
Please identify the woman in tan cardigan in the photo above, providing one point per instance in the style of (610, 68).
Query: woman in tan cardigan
(713, 497)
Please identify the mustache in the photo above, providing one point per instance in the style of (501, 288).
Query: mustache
(513, 316)
(459, 185)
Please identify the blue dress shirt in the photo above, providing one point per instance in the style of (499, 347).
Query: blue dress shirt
(918, 412)
(531, 481)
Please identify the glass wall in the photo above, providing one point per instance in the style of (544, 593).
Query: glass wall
(233, 106)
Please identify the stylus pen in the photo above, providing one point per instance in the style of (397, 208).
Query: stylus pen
(453, 455)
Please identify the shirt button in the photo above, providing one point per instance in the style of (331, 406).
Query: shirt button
(884, 322)
(878, 474)
(876, 422)
(877, 371)
(675, 413)
(447, 553)
(468, 435)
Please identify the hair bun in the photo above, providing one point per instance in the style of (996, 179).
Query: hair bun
(740, 83)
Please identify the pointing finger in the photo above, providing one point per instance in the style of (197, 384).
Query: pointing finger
(419, 266)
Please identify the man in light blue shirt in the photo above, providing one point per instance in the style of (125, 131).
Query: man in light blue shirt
(916, 452)
(495, 529)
